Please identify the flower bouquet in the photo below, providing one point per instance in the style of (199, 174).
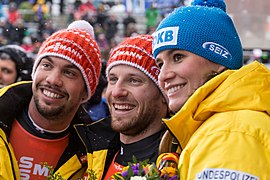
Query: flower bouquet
(164, 169)
(90, 174)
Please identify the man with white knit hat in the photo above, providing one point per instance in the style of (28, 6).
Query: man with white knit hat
(37, 124)
(136, 102)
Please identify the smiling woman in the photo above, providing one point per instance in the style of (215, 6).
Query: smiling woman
(215, 99)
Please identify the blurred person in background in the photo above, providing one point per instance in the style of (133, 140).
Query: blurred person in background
(88, 11)
(152, 15)
(3, 40)
(27, 44)
(111, 26)
(129, 19)
(17, 32)
(4, 29)
(15, 65)
(13, 13)
(97, 106)
(40, 11)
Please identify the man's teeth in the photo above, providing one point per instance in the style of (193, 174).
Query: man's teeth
(51, 94)
(122, 107)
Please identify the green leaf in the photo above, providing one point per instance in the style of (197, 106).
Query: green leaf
(134, 159)
(130, 172)
(141, 171)
(145, 162)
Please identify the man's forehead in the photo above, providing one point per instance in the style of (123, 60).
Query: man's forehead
(58, 60)
(127, 69)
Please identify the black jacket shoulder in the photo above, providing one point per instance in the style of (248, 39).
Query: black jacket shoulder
(13, 100)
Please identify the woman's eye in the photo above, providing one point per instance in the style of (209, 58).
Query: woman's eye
(159, 64)
(178, 57)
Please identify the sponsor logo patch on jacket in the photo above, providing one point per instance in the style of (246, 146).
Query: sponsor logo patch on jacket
(220, 173)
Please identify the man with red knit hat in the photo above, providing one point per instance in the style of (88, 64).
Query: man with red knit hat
(136, 102)
(37, 119)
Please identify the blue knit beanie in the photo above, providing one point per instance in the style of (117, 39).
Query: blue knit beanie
(203, 28)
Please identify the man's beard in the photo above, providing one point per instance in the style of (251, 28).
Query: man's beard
(49, 113)
(136, 124)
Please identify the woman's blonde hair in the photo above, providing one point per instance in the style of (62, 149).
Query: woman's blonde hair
(167, 143)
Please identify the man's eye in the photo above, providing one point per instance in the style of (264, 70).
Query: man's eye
(134, 81)
(112, 80)
(46, 65)
(70, 73)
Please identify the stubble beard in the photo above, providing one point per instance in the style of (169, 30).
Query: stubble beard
(134, 125)
(49, 113)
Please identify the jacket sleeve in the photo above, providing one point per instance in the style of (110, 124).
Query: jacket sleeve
(102, 143)
(13, 99)
(8, 167)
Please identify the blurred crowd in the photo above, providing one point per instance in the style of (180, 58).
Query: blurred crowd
(25, 23)
(28, 23)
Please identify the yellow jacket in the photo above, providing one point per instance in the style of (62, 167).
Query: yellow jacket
(91, 146)
(224, 128)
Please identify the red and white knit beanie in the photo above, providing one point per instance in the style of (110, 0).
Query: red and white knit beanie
(136, 52)
(77, 45)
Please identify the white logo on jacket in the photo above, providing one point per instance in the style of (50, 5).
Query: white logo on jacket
(220, 173)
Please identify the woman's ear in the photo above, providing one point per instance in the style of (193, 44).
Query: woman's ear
(221, 69)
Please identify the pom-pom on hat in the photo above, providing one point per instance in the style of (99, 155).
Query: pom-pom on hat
(77, 45)
(136, 52)
(203, 28)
